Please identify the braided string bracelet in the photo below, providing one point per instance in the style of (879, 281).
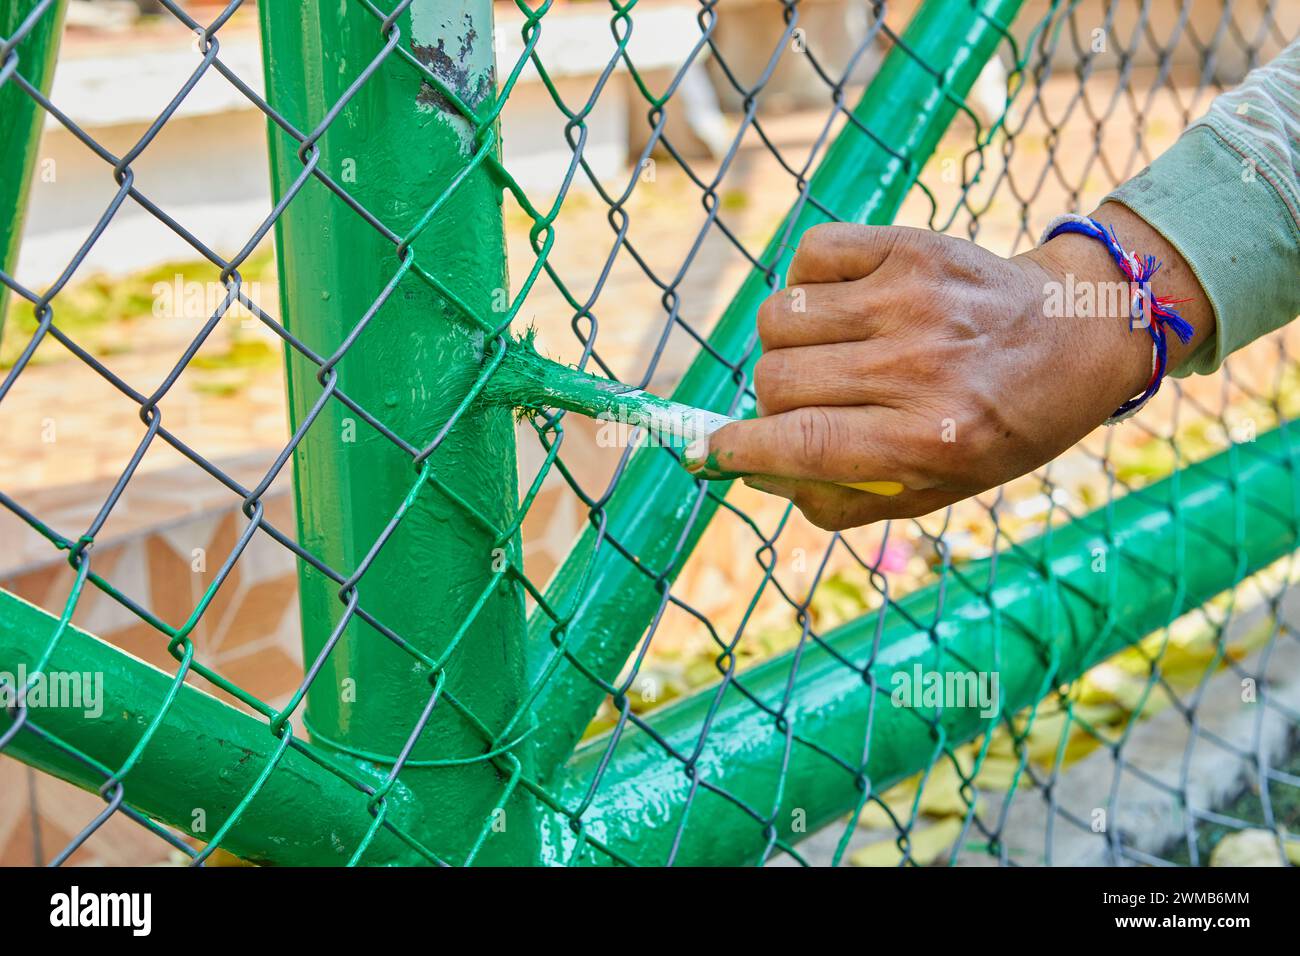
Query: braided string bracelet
(1164, 313)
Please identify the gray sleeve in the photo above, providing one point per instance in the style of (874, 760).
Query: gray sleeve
(1227, 197)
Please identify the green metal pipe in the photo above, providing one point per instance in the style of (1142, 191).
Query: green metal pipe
(526, 380)
(1037, 616)
(442, 581)
(303, 815)
(604, 601)
(20, 119)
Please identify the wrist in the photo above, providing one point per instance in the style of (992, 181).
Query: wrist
(1083, 290)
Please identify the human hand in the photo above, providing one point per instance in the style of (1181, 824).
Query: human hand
(901, 355)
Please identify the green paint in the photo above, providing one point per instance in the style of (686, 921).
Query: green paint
(710, 468)
(1038, 615)
(605, 601)
(21, 119)
(445, 580)
(526, 380)
(206, 756)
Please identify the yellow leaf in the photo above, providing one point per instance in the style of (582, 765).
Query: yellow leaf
(1247, 848)
(898, 798)
(941, 796)
(924, 846)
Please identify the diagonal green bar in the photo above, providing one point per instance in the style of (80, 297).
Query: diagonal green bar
(206, 756)
(1039, 617)
(605, 601)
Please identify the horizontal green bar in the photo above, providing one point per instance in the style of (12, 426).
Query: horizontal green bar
(1038, 615)
(201, 762)
(606, 600)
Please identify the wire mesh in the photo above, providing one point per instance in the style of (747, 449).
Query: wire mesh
(626, 271)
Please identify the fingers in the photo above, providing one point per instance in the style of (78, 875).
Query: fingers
(818, 315)
(824, 444)
(850, 373)
(842, 252)
(834, 293)
(833, 508)
(834, 383)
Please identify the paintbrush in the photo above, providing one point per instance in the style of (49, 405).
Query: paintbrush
(525, 380)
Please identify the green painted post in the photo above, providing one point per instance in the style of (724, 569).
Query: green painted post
(33, 57)
(397, 146)
(607, 599)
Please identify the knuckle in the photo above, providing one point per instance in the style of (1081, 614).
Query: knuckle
(770, 374)
(925, 364)
(896, 312)
(983, 424)
(814, 437)
(819, 237)
(817, 243)
(895, 242)
(924, 449)
(919, 471)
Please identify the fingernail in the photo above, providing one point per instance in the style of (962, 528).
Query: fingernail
(696, 454)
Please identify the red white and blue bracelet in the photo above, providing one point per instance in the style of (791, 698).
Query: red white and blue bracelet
(1163, 317)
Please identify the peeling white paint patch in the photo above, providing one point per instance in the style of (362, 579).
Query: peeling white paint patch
(463, 128)
(464, 28)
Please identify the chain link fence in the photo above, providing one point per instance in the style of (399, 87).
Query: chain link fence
(727, 673)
